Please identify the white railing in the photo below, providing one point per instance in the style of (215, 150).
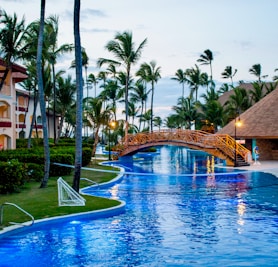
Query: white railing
(19, 208)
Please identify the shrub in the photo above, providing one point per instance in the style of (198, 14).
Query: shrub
(13, 176)
(35, 172)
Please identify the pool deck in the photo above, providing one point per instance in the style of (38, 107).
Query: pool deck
(268, 166)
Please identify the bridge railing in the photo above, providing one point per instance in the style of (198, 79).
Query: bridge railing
(224, 143)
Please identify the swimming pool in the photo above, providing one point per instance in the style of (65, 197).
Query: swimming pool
(223, 219)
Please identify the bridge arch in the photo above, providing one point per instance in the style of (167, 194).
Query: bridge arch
(221, 146)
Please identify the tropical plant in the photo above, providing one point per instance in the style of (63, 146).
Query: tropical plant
(206, 59)
(53, 52)
(92, 79)
(195, 78)
(97, 116)
(257, 93)
(181, 78)
(123, 48)
(79, 97)
(150, 73)
(12, 44)
(224, 88)
(41, 98)
(257, 71)
(157, 122)
(229, 73)
(237, 103)
(139, 94)
(65, 98)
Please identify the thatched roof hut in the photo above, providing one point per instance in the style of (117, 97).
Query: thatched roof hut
(260, 123)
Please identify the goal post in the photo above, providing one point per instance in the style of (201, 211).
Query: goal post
(67, 196)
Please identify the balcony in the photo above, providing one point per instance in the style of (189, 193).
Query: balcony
(22, 108)
(6, 124)
(20, 125)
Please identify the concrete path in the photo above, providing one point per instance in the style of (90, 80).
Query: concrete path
(268, 166)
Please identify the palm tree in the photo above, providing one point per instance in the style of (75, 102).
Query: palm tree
(65, 98)
(139, 94)
(224, 88)
(194, 78)
(237, 103)
(206, 59)
(275, 78)
(98, 117)
(186, 112)
(172, 121)
(92, 79)
(146, 117)
(41, 98)
(257, 71)
(228, 73)
(157, 122)
(123, 48)
(53, 52)
(181, 78)
(257, 93)
(79, 97)
(11, 41)
(111, 92)
(151, 74)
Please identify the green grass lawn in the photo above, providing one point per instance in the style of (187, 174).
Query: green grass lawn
(43, 202)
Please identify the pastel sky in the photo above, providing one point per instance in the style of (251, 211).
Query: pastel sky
(240, 33)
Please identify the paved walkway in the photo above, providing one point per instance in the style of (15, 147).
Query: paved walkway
(269, 166)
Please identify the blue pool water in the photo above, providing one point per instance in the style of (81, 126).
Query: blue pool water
(188, 218)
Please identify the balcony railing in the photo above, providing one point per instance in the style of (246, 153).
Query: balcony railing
(6, 124)
(20, 125)
(22, 108)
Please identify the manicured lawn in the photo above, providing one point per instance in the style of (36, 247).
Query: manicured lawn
(43, 203)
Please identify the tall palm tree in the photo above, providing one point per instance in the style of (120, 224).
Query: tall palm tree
(181, 78)
(194, 78)
(65, 98)
(79, 97)
(53, 52)
(12, 45)
(139, 94)
(206, 59)
(257, 71)
(151, 75)
(97, 117)
(111, 92)
(92, 79)
(229, 73)
(158, 122)
(123, 48)
(186, 112)
(41, 98)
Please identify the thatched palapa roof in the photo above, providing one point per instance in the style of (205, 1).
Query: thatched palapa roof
(260, 121)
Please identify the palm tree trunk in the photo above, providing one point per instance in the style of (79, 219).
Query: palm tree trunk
(79, 93)
(96, 141)
(41, 98)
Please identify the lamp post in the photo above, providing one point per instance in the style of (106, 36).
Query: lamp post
(237, 124)
(111, 125)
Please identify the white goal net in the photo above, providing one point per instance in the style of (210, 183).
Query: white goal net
(67, 196)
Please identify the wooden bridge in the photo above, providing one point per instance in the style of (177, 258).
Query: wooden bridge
(218, 145)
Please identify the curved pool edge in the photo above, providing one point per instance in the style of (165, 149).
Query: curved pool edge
(95, 214)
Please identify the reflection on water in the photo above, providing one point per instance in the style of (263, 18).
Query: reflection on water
(181, 210)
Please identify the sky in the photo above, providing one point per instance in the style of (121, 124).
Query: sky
(240, 33)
